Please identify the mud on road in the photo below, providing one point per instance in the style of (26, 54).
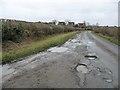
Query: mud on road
(79, 63)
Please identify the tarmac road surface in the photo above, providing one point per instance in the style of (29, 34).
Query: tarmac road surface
(84, 61)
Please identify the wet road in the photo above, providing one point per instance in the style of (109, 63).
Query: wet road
(107, 55)
(85, 61)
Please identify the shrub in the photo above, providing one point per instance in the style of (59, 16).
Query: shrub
(17, 31)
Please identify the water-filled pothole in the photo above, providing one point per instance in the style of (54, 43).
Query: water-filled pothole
(82, 68)
(91, 56)
(109, 80)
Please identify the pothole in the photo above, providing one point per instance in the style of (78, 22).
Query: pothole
(57, 49)
(91, 56)
(109, 80)
(74, 41)
(82, 68)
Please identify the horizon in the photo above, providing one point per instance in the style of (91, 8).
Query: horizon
(58, 21)
(104, 12)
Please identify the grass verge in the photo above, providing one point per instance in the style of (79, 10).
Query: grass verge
(36, 47)
(111, 39)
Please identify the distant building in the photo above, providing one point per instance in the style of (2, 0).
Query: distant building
(39, 22)
(76, 25)
(3, 20)
(71, 23)
(52, 23)
(45, 22)
(61, 23)
(89, 28)
(81, 25)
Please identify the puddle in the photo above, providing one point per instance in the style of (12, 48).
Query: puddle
(91, 56)
(89, 44)
(109, 80)
(57, 49)
(82, 68)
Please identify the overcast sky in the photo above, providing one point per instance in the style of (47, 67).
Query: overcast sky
(105, 12)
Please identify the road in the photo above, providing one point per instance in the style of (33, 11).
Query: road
(84, 61)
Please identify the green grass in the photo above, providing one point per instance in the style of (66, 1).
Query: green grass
(36, 47)
(0, 57)
(111, 39)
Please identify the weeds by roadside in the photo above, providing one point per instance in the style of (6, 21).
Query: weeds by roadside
(111, 39)
(36, 47)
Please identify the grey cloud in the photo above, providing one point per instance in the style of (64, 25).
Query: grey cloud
(102, 11)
